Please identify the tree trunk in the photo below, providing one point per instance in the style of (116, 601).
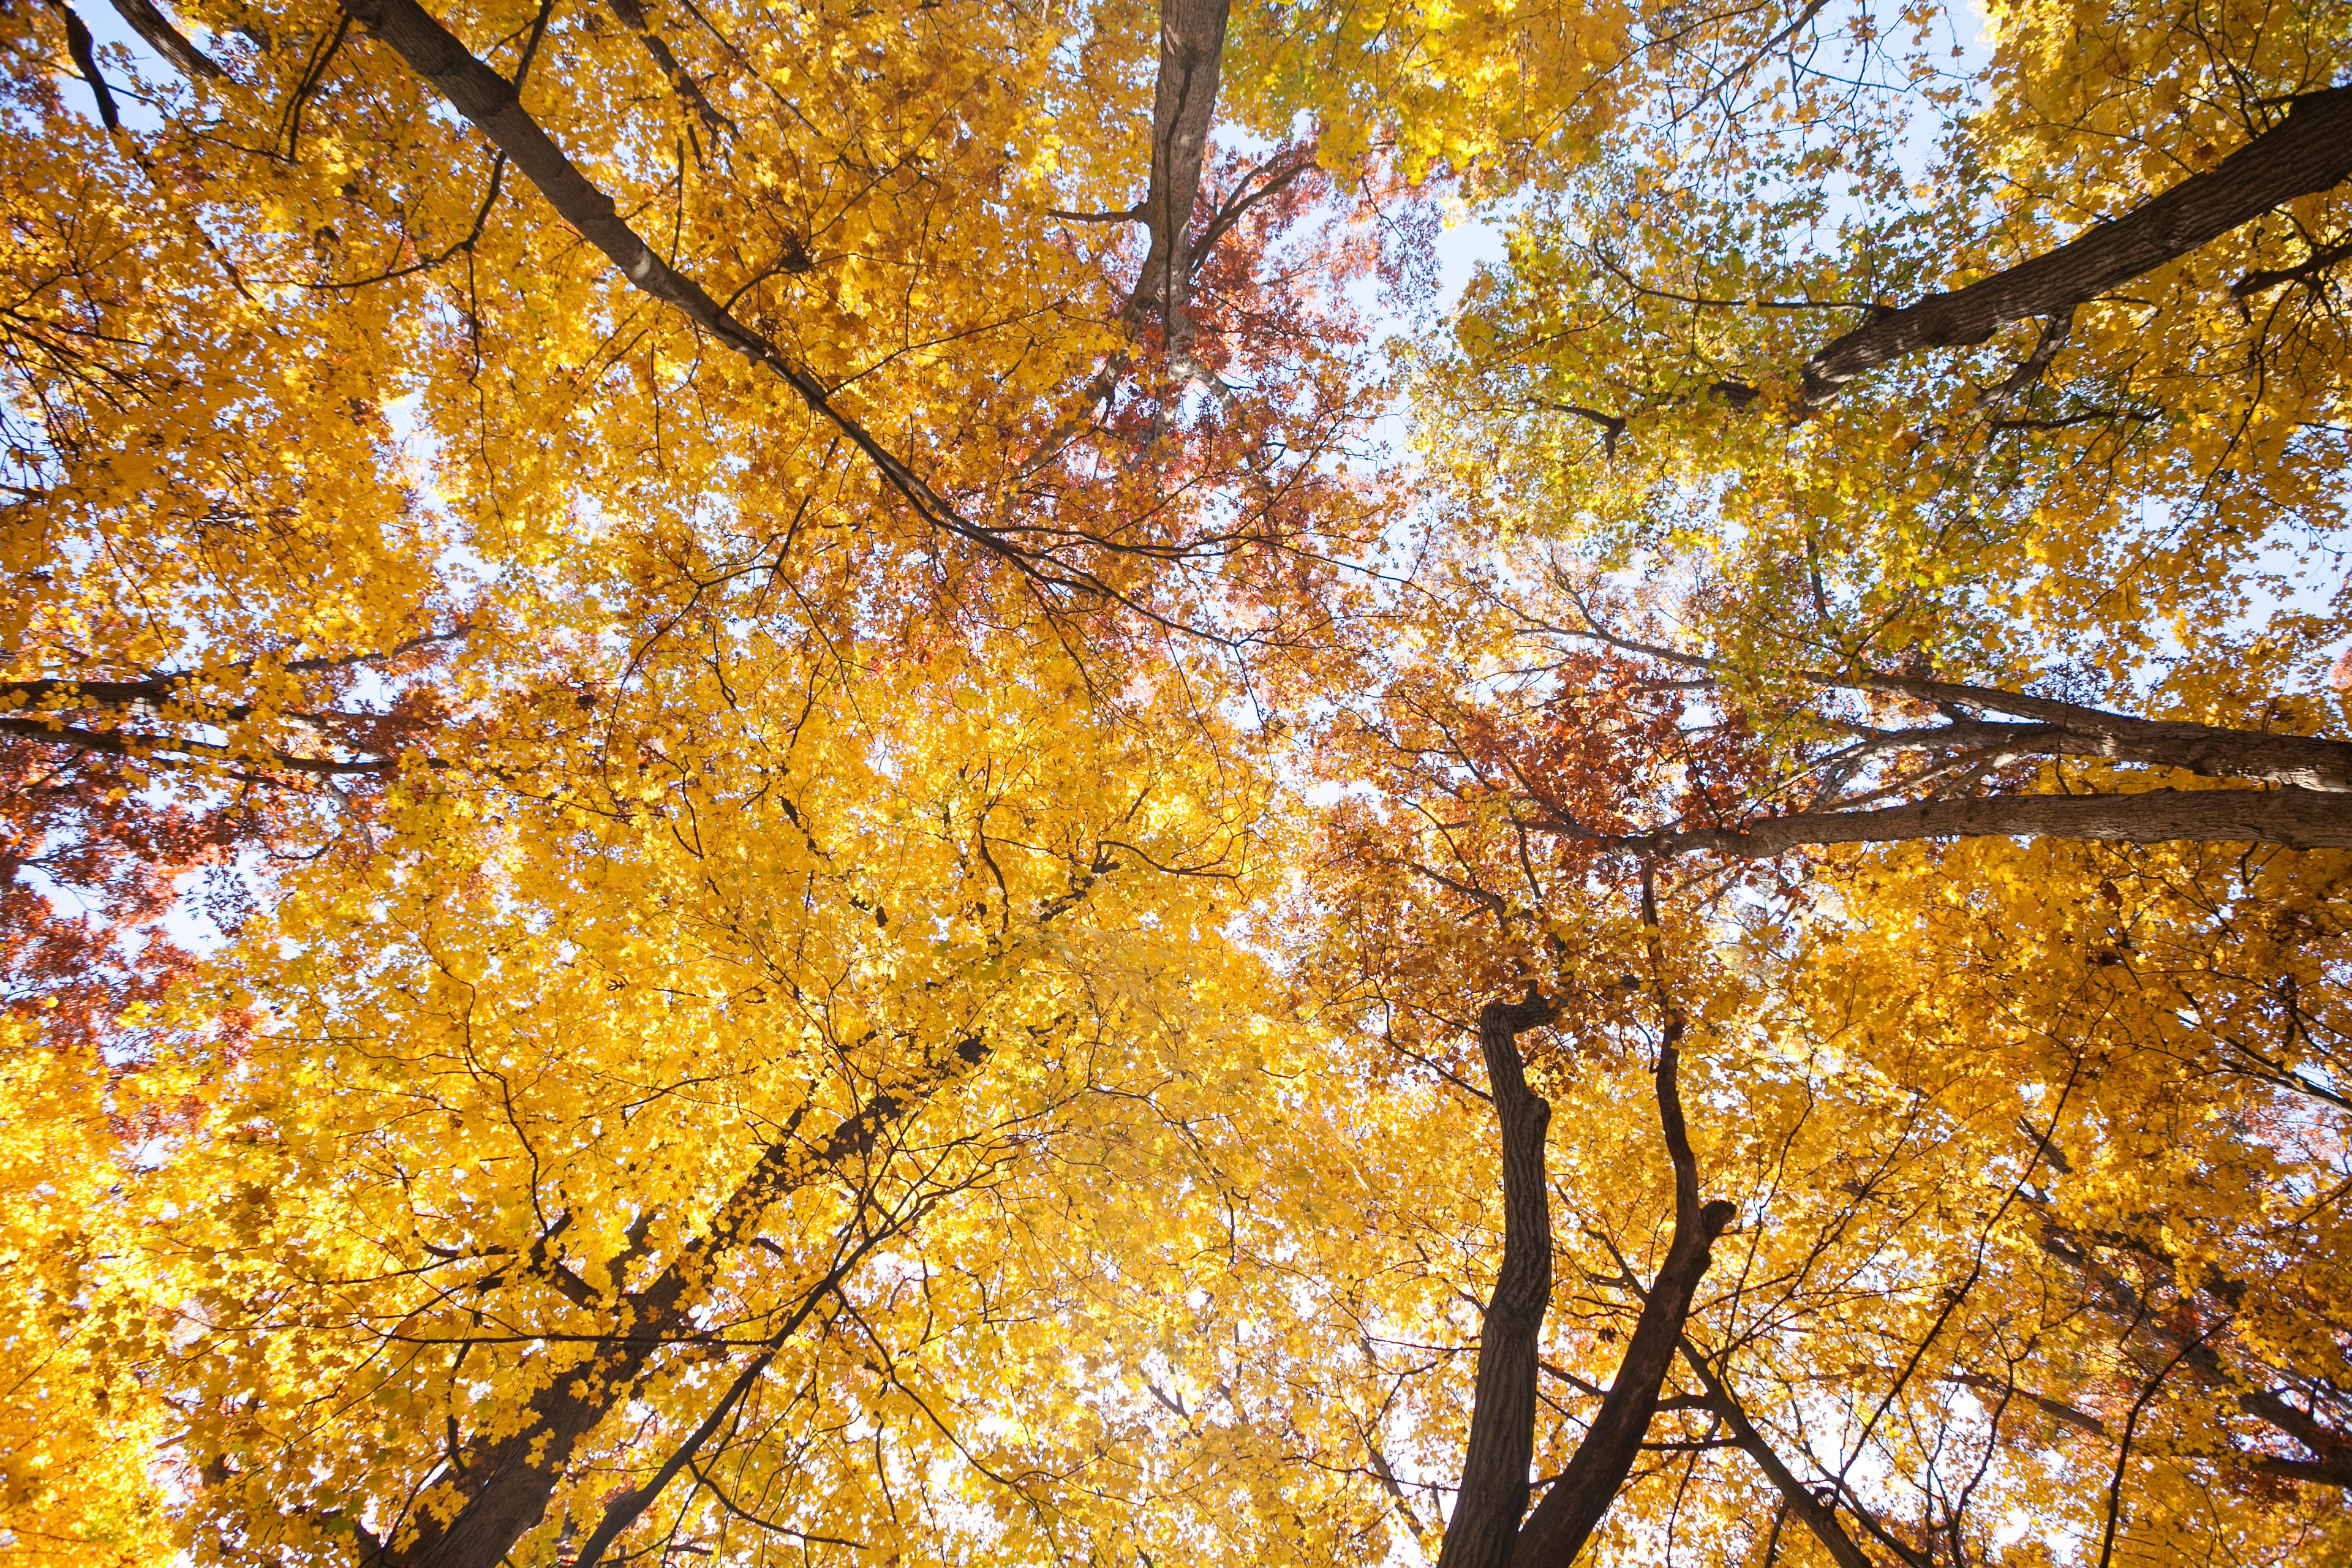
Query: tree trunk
(2294, 818)
(1485, 1530)
(2309, 152)
(506, 1482)
(1573, 1505)
(1191, 53)
(1494, 1493)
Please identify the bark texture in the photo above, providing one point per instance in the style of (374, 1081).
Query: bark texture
(1486, 1530)
(2294, 818)
(1573, 1506)
(2310, 151)
(1192, 51)
(1494, 1493)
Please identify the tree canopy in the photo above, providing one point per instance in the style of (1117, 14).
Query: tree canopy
(906, 782)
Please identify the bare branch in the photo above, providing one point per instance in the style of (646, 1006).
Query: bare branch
(85, 59)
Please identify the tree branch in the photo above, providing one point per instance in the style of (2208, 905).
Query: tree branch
(2309, 152)
(507, 1478)
(488, 102)
(1815, 1515)
(85, 59)
(689, 92)
(2307, 761)
(2295, 819)
(2306, 273)
(148, 22)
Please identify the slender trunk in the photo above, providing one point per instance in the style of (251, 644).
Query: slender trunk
(505, 1482)
(1192, 51)
(2295, 819)
(1494, 1495)
(2309, 152)
(1574, 1504)
(2305, 761)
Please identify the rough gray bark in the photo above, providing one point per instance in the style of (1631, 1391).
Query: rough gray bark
(2310, 151)
(1191, 49)
(2295, 819)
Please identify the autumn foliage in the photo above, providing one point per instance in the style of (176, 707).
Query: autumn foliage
(953, 782)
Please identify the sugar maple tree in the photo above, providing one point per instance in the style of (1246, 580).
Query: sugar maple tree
(2007, 1096)
(892, 900)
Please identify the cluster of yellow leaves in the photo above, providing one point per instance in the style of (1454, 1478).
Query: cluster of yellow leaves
(2168, 477)
(552, 1041)
(78, 1430)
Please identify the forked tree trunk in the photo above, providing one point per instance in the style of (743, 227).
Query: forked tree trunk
(1486, 1530)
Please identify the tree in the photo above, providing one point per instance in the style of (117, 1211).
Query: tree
(668, 1146)
(590, 593)
(2139, 465)
(890, 865)
(1927, 1138)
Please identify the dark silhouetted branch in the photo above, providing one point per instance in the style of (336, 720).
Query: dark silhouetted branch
(148, 22)
(2310, 151)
